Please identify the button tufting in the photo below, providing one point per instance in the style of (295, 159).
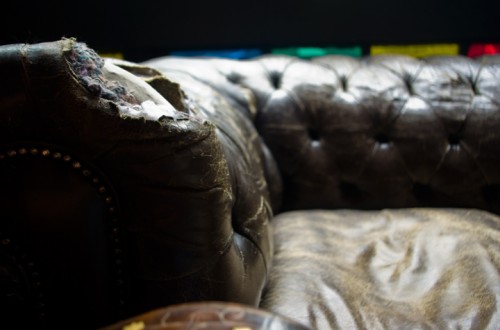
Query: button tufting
(473, 86)
(422, 191)
(313, 134)
(343, 83)
(409, 85)
(454, 141)
(233, 77)
(382, 138)
(350, 190)
(275, 79)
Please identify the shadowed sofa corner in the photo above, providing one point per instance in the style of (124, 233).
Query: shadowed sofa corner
(340, 193)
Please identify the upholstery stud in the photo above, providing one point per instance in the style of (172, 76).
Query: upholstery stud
(112, 209)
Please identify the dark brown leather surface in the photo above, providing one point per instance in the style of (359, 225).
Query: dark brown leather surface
(198, 185)
(229, 121)
(249, 162)
(390, 269)
(193, 231)
(382, 131)
(60, 247)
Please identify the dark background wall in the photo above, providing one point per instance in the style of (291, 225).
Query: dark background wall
(143, 28)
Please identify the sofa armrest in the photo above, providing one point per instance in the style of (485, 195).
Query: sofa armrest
(192, 229)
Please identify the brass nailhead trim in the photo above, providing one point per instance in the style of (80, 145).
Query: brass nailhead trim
(108, 199)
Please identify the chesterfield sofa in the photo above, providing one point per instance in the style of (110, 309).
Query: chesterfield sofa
(340, 193)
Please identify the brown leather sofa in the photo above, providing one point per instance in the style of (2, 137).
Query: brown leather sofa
(342, 193)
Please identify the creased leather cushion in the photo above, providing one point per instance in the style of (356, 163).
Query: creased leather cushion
(168, 167)
(390, 269)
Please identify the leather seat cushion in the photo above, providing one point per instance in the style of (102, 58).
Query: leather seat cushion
(389, 269)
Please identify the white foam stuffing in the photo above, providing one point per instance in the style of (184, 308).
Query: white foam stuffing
(148, 110)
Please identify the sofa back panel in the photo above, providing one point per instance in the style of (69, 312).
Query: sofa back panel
(382, 131)
(385, 131)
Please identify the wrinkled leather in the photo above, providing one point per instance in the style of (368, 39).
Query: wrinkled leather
(390, 269)
(193, 230)
(381, 131)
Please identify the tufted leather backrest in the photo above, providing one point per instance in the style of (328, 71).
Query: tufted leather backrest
(377, 132)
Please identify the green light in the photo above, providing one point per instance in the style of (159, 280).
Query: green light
(310, 52)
